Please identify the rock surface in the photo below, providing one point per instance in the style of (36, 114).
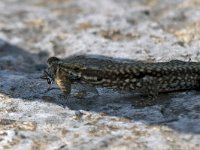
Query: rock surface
(148, 30)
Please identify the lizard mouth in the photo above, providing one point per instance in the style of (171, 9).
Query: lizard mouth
(47, 76)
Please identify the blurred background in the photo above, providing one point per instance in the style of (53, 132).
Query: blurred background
(151, 30)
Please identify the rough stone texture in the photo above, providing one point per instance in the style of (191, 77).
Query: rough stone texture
(148, 30)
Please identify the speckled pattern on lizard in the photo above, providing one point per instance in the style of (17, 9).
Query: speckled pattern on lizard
(147, 78)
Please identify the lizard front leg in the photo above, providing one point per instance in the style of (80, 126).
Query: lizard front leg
(63, 81)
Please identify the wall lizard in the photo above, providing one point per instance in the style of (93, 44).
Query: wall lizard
(147, 78)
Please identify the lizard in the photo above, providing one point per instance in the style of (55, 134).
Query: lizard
(147, 78)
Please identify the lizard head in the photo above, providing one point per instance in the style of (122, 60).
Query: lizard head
(48, 74)
(52, 60)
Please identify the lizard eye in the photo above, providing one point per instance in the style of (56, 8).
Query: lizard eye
(76, 69)
(99, 79)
